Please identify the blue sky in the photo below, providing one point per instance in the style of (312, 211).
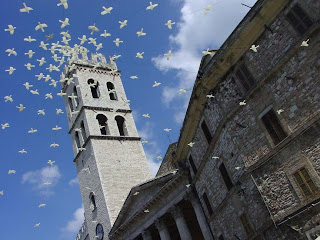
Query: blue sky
(24, 191)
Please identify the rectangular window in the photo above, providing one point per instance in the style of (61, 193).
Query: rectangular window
(225, 176)
(299, 19)
(273, 126)
(246, 225)
(193, 166)
(305, 182)
(245, 78)
(208, 205)
(206, 131)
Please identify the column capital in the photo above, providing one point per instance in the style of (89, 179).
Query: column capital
(176, 211)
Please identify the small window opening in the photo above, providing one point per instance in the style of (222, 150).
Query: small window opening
(112, 94)
(75, 93)
(273, 126)
(83, 131)
(70, 104)
(103, 125)
(245, 78)
(94, 86)
(206, 131)
(305, 182)
(77, 138)
(299, 20)
(193, 166)
(121, 126)
(225, 176)
(246, 225)
(208, 205)
(93, 205)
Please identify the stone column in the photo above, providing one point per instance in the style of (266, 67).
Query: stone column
(146, 235)
(181, 223)
(163, 231)
(200, 216)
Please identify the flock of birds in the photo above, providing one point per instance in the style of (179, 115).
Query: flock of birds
(61, 51)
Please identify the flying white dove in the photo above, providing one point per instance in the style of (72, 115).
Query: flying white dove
(43, 45)
(61, 94)
(92, 41)
(190, 144)
(21, 107)
(11, 51)
(51, 162)
(11, 172)
(1, 192)
(242, 103)
(35, 92)
(280, 111)
(106, 10)
(41, 112)
(134, 77)
(169, 24)
(32, 130)
(64, 3)
(29, 39)
(59, 111)
(66, 34)
(237, 168)
(159, 157)
(37, 225)
(105, 34)
(22, 151)
(144, 142)
(48, 95)
(305, 43)
(10, 70)
(156, 84)
(8, 98)
(41, 26)
(99, 46)
(10, 29)
(182, 91)
(29, 66)
(53, 83)
(140, 55)
(117, 41)
(54, 145)
(151, 6)
(47, 78)
(40, 76)
(136, 193)
(47, 183)
(5, 125)
(215, 157)
(146, 115)
(254, 48)
(41, 61)
(168, 55)
(206, 52)
(210, 96)
(27, 85)
(26, 9)
(30, 53)
(42, 205)
(207, 9)
(83, 39)
(64, 23)
(116, 56)
(167, 129)
(141, 33)
(93, 29)
(123, 24)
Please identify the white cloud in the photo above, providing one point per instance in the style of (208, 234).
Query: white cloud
(75, 223)
(74, 181)
(196, 32)
(37, 179)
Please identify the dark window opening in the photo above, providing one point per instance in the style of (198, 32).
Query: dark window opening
(273, 126)
(121, 126)
(103, 125)
(221, 237)
(225, 176)
(112, 94)
(246, 225)
(93, 201)
(208, 205)
(206, 131)
(245, 78)
(77, 138)
(193, 166)
(70, 104)
(299, 20)
(305, 182)
(75, 93)
(83, 131)
(94, 86)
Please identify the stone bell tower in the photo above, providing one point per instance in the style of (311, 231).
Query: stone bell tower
(108, 152)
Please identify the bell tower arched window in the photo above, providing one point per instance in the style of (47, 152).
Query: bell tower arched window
(111, 90)
(121, 126)
(75, 93)
(93, 205)
(70, 104)
(83, 131)
(94, 86)
(77, 138)
(103, 125)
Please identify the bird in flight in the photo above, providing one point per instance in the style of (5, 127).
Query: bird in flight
(140, 55)
(280, 111)
(105, 34)
(25, 9)
(1, 192)
(41, 61)
(22, 151)
(51, 162)
(144, 142)
(56, 128)
(159, 157)
(83, 39)
(10, 29)
(41, 26)
(32, 130)
(42, 205)
(64, 23)
(190, 144)
(10, 70)
(254, 48)
(146, 115)
(11, 51)
(169, 24)
(134, 77)
(30, 53)
(141, 33)
(123, 24)
(8, 98)
(35, 92)
(167, 129)
(40, 76)
(93, 29)
(29, 66)
(305, 43)
(43, 45)
(41, 112)
(106, 10)
(48, 95)
(21, 107)
(168, 55)
(49, 37)
(151, 6)
(182, 91)
(11, 172)
(210, 96)
(242, 103)
(29, 39)
(63, 3)
(117, 42)
(5, 125)
(59, 111)
(37, 225)
(207, 9)
(156, 84)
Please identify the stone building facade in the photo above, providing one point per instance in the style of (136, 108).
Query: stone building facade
(253, 168)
